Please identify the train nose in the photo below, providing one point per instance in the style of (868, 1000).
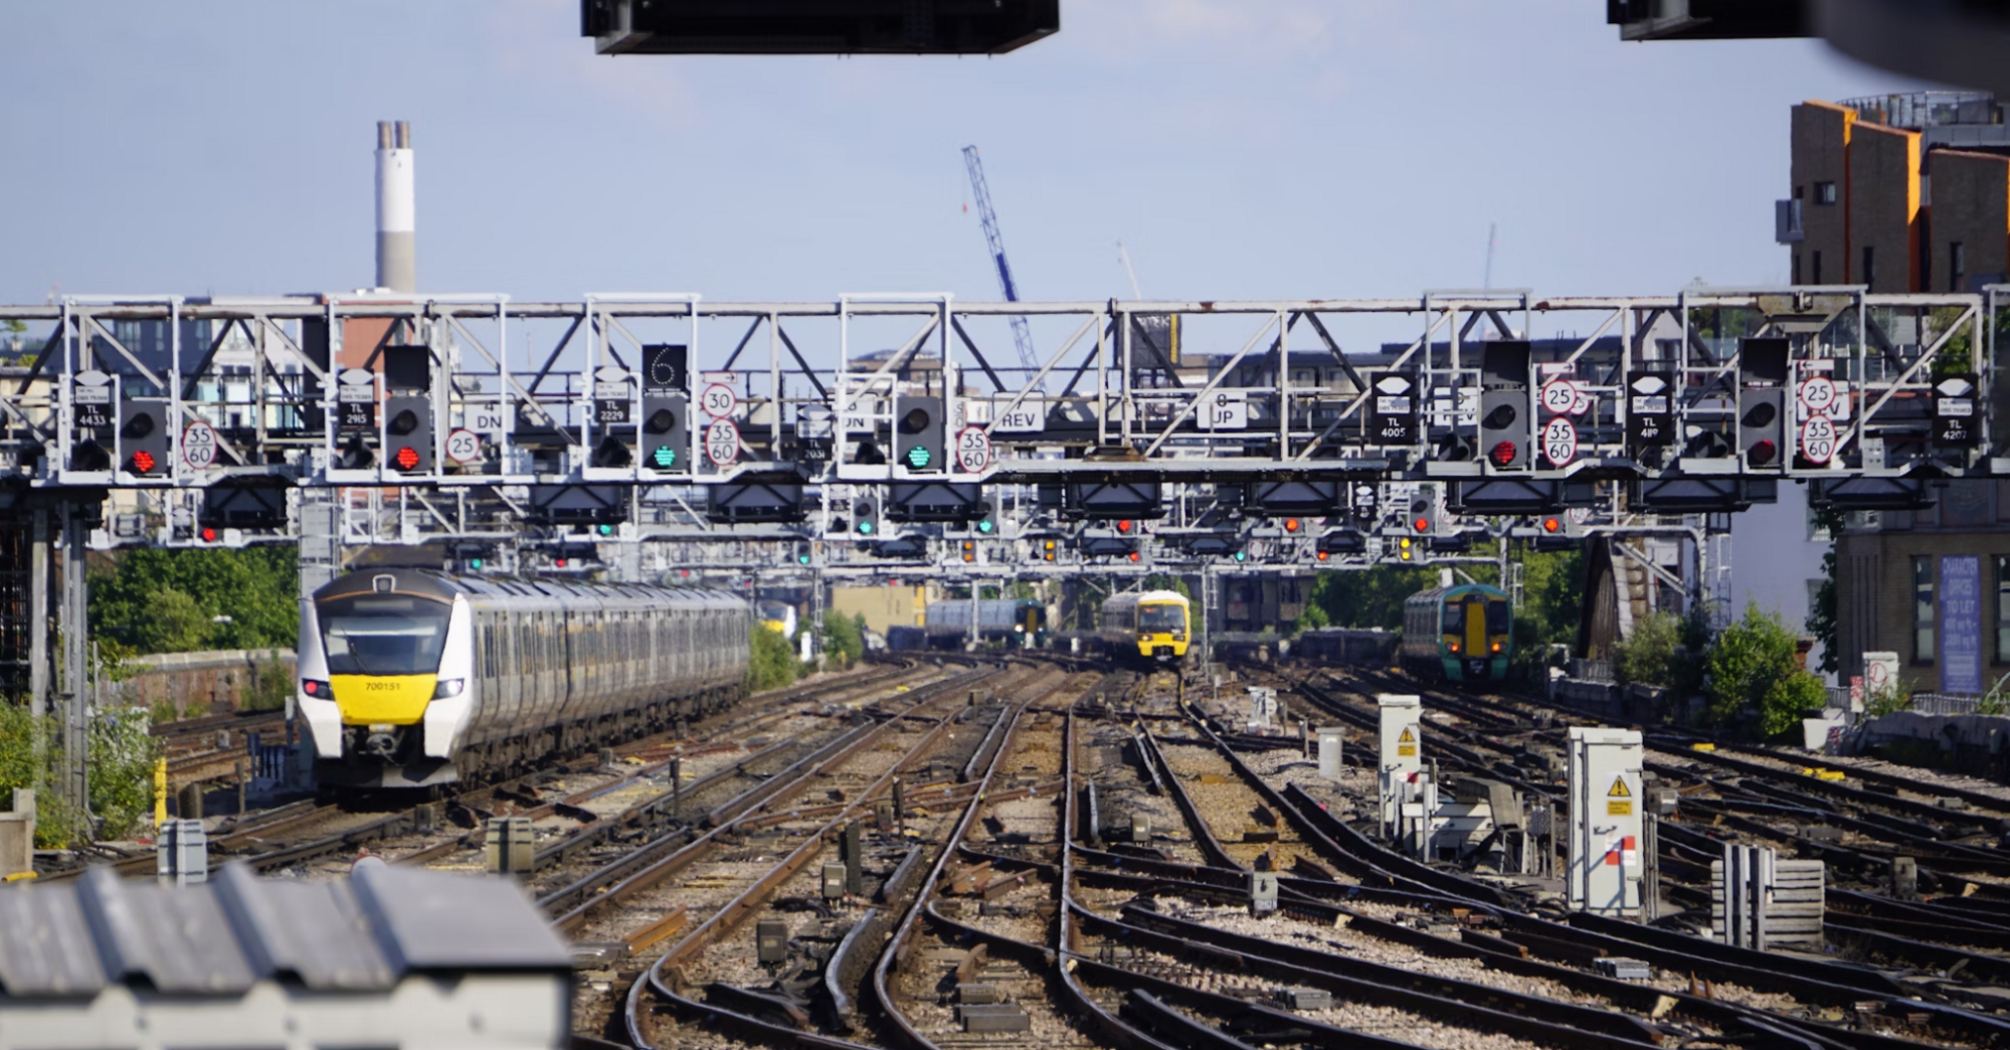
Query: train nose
(380, 745)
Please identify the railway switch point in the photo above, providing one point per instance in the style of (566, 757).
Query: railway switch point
(1332, 742)
(181, 853)
(510, 847)
(1605, 872)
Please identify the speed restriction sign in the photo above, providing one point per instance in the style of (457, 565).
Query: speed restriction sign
(464, 446)
(1559, 441)
(1559, 396)
(1818, 440)
(722, 442)
(973, 449)
(198, 444)
(718, 400)
(1818, 392)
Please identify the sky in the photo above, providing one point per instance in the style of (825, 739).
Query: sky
(1287, 149)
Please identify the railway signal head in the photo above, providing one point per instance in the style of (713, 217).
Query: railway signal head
(666, 443)
(208, 535)
(1291, 524)
(408, 425)
(1552, 525)
(919, 434)
(865, 517)
(143, 436)
(1124, 526)
(1507, 400)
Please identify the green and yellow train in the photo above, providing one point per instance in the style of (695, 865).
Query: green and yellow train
(1458, 634)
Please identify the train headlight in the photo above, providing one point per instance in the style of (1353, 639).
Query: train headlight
(449, 687)
(317, 690)
(1453, 646)
(1497, 647)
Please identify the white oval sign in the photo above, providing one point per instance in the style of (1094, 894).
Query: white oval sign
(198, 444)
(1559, 441)
(1818, 440)
(464, 446)
(973, 449)
(722, 442)
(1818, 393)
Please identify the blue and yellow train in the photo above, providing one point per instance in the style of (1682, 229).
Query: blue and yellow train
(1459, 634)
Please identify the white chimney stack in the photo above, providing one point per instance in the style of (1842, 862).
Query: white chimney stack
(397, 256)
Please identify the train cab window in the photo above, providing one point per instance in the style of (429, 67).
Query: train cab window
(1497, 617)
(383, 634)
(1455, 619)
(1160, 619)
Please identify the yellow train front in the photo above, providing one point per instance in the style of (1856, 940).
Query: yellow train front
(1152, 627)
(1458, 634)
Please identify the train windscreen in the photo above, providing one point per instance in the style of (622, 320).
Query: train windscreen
(1455, 619)
(383, 634)
(1159, 619)
(1497, 617)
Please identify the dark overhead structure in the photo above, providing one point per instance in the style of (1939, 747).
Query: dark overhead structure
(1962, 42)
(816, 27)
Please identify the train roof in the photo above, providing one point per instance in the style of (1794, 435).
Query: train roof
(1150, 596)
(440, 586)
(1460, 591)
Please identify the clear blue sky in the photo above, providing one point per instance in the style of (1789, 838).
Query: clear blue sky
(1284, 148)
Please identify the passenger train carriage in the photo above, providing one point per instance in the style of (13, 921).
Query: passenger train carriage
(1460, 634)
(1014, 621)
(1146, 627)
(411, 678)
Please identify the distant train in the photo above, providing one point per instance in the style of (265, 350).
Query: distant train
(1014, 621)
(411, 678)
(1150, 627)
(779, 617)
(1459, 634)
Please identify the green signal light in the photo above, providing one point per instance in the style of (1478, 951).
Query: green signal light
(802, 559)
(664, 457)
(918, 457)
(475, 563)
(1241, 555)
(986, 527)
(607, 530)
(865, 528)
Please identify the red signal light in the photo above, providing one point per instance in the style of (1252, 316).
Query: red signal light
(1502, 454)
(1134, 555)
(1551, 524)
(407, 458)
(143, 462)
(1762, 453)
(1124, 526)
(1291, 524)
(1421, 524)
(560, 562)
(1322, 555)
(209, 535)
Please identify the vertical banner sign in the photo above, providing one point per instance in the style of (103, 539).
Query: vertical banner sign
(1394, 418)
(1961, 625)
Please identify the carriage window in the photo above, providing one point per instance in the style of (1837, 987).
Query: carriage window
(1455, 618)
(383, 635)
(1497, 617)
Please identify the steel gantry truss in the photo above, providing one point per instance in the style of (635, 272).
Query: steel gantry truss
(524, 409)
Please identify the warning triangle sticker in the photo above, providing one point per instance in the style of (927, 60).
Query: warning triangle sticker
(1406, 738)
(1619, 789)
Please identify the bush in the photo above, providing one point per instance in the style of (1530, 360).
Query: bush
(1892, 699)
(160, 601)
(122, 757)
(1648, 658)
(844, 637)
(771, 661)
(1752, 666)
(269, 687)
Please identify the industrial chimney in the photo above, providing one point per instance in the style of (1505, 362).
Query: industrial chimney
(397, 259)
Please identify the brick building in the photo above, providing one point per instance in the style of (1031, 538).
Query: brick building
(1931, 585)
(1902, 193)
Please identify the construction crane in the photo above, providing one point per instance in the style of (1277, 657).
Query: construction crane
(1022, 336)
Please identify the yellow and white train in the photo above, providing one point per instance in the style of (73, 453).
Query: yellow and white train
(411, 678)
(1152, 627)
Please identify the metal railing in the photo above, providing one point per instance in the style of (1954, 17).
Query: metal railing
(1927, 109)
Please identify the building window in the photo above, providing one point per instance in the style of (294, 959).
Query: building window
(1815, 267)
(1957, 266)
(2003, 609)
(1797, 268)
(1870, 267)
(1825, 193)
(1922, 610)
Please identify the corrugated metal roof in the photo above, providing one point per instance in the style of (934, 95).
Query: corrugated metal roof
(220, 938)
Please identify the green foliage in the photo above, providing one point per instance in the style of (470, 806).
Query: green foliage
(1821, 622)
(1752, 666)
(1370, 598)
(1892, 699)
(844, 637)
(123, 753)
(165, 600)
(1649, 658)
(269, 687)
(771, 661)
(122, 757)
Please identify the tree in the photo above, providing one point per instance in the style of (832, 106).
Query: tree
(844, 637)
(1821, 622)
(173, 623)
(256, 588)
(771, 661)
(1752, 666)
(1648, 657)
